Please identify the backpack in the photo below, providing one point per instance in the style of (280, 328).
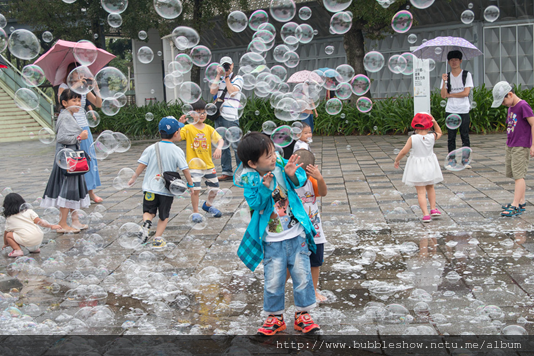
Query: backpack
(464, 79)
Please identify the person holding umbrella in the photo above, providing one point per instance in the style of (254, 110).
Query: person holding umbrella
(455, 87)
(92, 178)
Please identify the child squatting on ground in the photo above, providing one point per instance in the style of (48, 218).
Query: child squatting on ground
(422, 168)
(519, 128)
(199, 138)
(157, 198)
(21, 226)
(280, 232)
(314, 188)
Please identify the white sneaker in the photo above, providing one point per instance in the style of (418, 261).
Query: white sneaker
(449, 167)
(467, 166)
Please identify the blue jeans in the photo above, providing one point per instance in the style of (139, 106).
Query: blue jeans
(226, 156)
(292, 254)
(309, 121)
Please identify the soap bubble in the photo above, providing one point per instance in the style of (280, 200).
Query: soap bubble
(211, 73)
(149, 116)
(304, 33)
(115, 20)
(114, 6)
(233, 134)
(305, 13)
(281, 136)
(237, 21)
(130, 235)
(3, 40)
(336, 5)
(197, 221)
(443, 103)
(200, 55)
(178, 187)
(197, 163)
(364, 104)
(221, 131)
(52, 215)
(409, 57)
(257, 18)
(333, 106)
(288, 33)
(340, 23)
(110, 107)
(185, 63)
(344, 91)
(514, 330)
(111, 82)
(373, 61)
(438, 50)
(283, 10)
(108, 141)
(346, 72)
(123, 142)
(124, 176)
(3, 21)
(402, 21)
(33, 75)
(292, 59)
(26, 99)
(397, 64)
(431, 65)
(457, 160)
(412, 38)
(46, 135)
(145, 55)
(360, 84)
(422, 4)
(185, 37)
(23, 44)
(287, 109)
(491, 13)
(453, 121)
(280, 72)
(168, 9)
(467, 17)
(268, 127)
(142, 35)
(329, 50)
(81, 80)
(190, 92)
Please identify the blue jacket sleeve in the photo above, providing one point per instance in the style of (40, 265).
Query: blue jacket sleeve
(258, 197)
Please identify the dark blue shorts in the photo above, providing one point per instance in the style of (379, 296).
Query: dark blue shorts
(316, 259)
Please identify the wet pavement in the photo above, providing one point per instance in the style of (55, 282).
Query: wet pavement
(469, 271)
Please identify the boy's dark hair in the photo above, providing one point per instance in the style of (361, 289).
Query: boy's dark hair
(165, 135)
(67, 95)
(12, 203)
(199, 105)
(307, 157)
(454, 54)
(252, 147)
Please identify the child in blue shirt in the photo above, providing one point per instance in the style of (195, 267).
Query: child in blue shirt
(280, 231)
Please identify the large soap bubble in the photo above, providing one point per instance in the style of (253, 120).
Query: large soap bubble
(279, 53)
(422, 4)
(282, 136)
(304, 33)
(333, 106)
(33, 75)
(130, 235)
(200, 55)
(111, 82)
(26, 99)
(305, 13)
(287, 109)
(185, 63)
(190, 92)
(268, 127)
(360, 84)
(283, 10)
(344, 91)
(185, 37)
(93, 118)
(346, 71)
(364, 104)
(467, 17)
(409, 63)
(257, 18)
(402, 21)
(237, 21)
(340, 23)
(114, 6)
(458, 159)
(397, 64)
(23, 44)
(453, 121)
(373, 61)
(491, 13)
(280, 72)
(233, 134)
(85, 52)
(110, 107)
(81, 80)
(3, 40)
(168, 9)
(221, 133)
(123, 142)
(115, 20)
(145, 55)
(62, 156)
(3, 21)
(336, 5)
(46, 135)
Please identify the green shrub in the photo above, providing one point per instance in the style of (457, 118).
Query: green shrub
(388, 116)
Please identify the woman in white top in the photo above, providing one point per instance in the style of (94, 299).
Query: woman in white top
(422, 169)
(92, 178)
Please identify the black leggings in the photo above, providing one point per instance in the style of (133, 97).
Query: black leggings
(464, 133)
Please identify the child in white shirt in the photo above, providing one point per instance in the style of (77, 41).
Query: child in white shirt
(303, 143)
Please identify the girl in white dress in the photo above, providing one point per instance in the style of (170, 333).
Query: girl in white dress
(422, 169)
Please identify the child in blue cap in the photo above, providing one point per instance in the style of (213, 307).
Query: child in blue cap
(157, 198)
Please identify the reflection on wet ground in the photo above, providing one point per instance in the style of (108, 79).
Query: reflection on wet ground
(470, 272)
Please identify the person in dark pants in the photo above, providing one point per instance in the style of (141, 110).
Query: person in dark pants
(229, 110)
(456, 89)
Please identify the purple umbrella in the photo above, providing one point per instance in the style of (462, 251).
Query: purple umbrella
(446, 44)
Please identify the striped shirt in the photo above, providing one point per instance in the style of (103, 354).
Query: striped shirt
(230, 107)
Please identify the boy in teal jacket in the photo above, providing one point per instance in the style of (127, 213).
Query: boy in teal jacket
(280, 232)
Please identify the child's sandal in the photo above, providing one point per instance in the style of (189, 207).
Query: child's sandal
(511, 211)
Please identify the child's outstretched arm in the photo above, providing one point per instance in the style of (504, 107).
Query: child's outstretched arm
(403, 152)
(44, 223)
(437, 129)
(187, 175)
(218, 151)
(321, 184)
(140, 168)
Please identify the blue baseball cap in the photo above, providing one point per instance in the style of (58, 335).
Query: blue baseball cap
(170, 125)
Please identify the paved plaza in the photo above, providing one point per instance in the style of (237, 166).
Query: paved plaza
(465, 272)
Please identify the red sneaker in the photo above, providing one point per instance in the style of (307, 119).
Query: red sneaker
(272, 325)
(304, 323)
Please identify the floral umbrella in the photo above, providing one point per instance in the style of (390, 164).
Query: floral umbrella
(303, 76)
(438, 48)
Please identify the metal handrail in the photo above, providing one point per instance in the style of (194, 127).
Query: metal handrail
(17, 85)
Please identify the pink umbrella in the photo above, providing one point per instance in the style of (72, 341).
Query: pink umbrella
(55, 62)
(302, 76)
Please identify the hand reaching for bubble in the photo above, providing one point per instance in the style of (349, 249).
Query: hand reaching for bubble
(267, 179)
(292, 165)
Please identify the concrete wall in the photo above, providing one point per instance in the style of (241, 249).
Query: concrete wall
(149, 76)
